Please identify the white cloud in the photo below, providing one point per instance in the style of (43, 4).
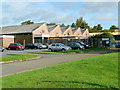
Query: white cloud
(64, 5)
(98, 7)
(65, 18)
(106, 17)
(18, 12)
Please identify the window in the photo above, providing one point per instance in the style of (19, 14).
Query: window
(53, 44)
(57, 44)
(68, 33)
(11, 44)
(42, 31)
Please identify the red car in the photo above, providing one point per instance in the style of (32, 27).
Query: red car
(16, 46)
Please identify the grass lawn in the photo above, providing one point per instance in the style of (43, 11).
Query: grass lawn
(95, 72)
(68, 51)
(82, 50)
(17, 56)
(37, 52)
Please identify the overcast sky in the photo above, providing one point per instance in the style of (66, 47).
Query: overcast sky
(104, 13)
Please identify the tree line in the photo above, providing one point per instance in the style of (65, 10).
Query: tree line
(80, 22)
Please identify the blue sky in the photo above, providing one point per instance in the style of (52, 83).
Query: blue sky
(104, 13)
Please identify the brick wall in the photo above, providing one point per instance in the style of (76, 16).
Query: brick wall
(7, 41)
(24, 39)
(56, 32)
(1, 42)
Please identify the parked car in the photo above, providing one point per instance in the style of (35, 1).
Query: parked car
(85, 45)
(32, 46)
(16, 46)
(1, 49)
(40, 45)
(46, 44)
(58, 47)
(75, 45)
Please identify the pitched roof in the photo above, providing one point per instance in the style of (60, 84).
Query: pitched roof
(63, 29)
(74, 29)
(82, 30)
(51, 27)
(20, 28)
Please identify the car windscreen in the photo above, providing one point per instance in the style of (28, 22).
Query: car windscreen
(18, 44)
(82, 43)
(78, 44)
(62, 45)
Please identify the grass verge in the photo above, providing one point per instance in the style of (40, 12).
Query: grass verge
(69, 51)
(36, 52)
(95, 72)
(82, 50)
(17, 56)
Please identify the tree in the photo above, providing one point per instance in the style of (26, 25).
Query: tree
(81, 23)
(103, 35)
(27, 22)
(94, 28)
(62, 25)
(99, 27)
(73, 25)
(51, 24)
(113, 27)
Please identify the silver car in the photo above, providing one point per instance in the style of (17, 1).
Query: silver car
(58, 47)
(1, 49)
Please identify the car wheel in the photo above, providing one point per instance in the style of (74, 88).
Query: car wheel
(36, 47)
(8, 48)
(2, 50)
(78, 48)
(26, 48)
(51, 50)
(63, 49)
(16, 48)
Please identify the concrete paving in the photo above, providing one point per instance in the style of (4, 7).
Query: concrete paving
(46, 60)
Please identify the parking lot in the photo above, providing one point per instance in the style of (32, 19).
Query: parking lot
(3, 54)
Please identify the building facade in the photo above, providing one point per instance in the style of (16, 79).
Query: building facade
(40, 33)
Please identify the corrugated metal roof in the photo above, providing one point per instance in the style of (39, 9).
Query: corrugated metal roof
(51, 27)
(74, 29)
(82, 30)
(20, 28)
(63, 29)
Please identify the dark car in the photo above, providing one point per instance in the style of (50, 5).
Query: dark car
(32, 46)
(75, 45)
(1, 49)
(85, 45)
(16, 46)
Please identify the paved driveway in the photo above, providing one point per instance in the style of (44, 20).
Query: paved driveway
(3, 54)
(47, 60)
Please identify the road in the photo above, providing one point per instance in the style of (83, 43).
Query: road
(46, 60)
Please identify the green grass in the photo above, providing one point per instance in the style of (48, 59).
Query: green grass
(36, 52)
(5, 47)
(95, 72)
(17, 56)
(82, 50)
(69, 51)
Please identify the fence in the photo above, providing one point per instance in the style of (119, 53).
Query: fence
(96, 42)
